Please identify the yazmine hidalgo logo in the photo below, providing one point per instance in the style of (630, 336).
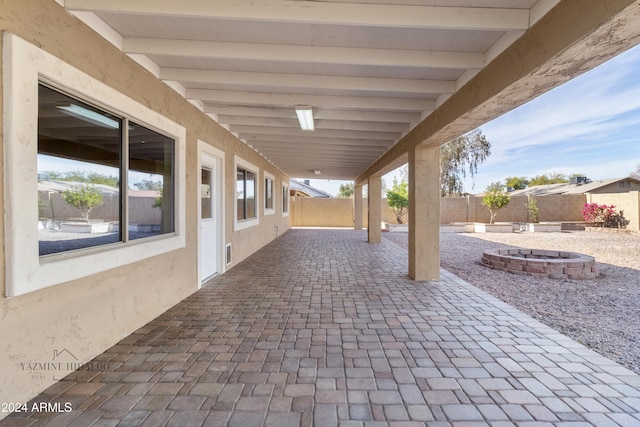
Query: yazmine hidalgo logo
(63, 362)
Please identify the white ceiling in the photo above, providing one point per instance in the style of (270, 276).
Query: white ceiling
(371, 69)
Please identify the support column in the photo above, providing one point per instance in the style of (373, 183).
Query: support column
(375, 209)
(424, 212)
(357, 207)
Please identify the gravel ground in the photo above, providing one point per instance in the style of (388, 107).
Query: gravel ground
(603, 313)
(51, 242)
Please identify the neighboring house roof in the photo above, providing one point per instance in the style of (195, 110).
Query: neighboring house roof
(566, 188)
(308, 190)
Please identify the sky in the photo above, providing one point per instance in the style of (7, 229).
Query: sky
(589, 125)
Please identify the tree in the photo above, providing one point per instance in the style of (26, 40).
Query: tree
(147, 184)
(84, 197)
(346, 190)
(533, 212)
(82, 176)
(398, 198)
(548, 178)
(636, 174)
(495, 198)
(516, 182)
(459, 157)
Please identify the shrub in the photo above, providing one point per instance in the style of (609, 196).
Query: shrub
(616, 220)
(604, 216)
(84, 198)
(532, 209)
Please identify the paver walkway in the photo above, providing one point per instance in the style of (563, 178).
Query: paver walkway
(321, 328)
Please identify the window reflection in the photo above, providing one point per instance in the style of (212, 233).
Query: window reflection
(78, 174)
(151, 187)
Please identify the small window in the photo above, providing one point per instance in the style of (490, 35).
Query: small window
(246, 191)
(268, 194)
(246, 194)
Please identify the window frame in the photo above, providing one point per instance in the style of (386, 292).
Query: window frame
(25, 66)
(248, 222)
(269, 210)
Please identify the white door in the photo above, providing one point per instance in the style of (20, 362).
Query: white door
(209, 218)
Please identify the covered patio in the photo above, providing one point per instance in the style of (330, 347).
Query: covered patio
(321, 328)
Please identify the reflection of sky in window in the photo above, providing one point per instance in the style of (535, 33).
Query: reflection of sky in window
(240, 189)
(251, 185)
(58, 164)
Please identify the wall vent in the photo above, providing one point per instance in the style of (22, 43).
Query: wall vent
(227, 257)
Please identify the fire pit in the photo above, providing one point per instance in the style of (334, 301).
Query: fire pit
(542, 263)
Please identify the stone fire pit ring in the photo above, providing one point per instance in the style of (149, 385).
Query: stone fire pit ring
(542, 263)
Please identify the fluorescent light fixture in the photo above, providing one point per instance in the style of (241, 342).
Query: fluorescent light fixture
(317, 172)
(89, 116)
(305, 117)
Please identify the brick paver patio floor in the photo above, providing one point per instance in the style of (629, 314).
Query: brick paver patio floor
(322, 328)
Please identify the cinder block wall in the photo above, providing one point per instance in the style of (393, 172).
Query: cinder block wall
(141, 210)
(310, 212)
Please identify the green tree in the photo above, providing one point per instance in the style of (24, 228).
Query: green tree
(147, 184)
(84, 198)
(459, 157)
(98, 178)
(516, 182)
(346, 190)
(82, 176)
(548, 178)
(398, 198)
(495, 198)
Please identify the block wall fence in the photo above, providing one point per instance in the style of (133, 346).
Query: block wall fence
(316, 212)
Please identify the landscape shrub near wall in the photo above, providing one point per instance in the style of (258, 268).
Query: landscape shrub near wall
(603, 216)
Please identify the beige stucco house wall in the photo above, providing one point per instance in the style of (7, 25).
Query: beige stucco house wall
(87, 315)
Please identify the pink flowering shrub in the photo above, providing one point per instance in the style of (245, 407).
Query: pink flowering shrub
(594, 213)
(603, 215)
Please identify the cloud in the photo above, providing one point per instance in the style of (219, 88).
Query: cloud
(591, 123)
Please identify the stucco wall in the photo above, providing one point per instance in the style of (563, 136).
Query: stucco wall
(87, 316)
(629, 203)
(317, 212)
(617, 187)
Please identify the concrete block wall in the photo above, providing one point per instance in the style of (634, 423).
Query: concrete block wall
(141, 210)
(310, 212)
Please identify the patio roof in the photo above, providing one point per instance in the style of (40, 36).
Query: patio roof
(376, 73)
(320, 328)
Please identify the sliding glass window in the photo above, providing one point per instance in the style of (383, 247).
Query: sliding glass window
(102, 179)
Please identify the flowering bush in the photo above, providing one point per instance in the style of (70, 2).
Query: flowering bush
(603, 215)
